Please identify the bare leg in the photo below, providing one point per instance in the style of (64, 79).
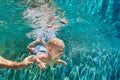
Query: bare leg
(43, 43)
(31, 46)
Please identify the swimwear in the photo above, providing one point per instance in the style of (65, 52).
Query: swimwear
(39, 48)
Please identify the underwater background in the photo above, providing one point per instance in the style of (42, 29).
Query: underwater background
(92, 39)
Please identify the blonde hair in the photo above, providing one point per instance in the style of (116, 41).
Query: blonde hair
(56, 42)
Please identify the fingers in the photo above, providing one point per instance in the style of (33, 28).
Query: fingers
(65, 63)
(28, 60)
(36, 59)
(42, 66)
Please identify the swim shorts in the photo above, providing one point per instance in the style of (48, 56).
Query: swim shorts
(39, 48)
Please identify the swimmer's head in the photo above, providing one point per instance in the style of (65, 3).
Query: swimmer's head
(55, 42)
(55, 48)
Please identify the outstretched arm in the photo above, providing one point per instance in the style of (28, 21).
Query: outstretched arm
(14, 64)
(62, 62)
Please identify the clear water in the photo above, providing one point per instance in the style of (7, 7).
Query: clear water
(92, 39)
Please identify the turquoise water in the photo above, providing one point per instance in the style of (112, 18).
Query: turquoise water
(92, 39)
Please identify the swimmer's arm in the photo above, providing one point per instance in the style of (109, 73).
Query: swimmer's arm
(38, 60)
(62, 62)
(14, 64)
(63, 21)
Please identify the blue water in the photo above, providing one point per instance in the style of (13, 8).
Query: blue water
(92, 39)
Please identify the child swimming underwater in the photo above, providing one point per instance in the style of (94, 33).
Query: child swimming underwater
(48, 53)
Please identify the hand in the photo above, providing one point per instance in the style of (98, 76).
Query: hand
(65, 63)
(40, 64)
(28, 60)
